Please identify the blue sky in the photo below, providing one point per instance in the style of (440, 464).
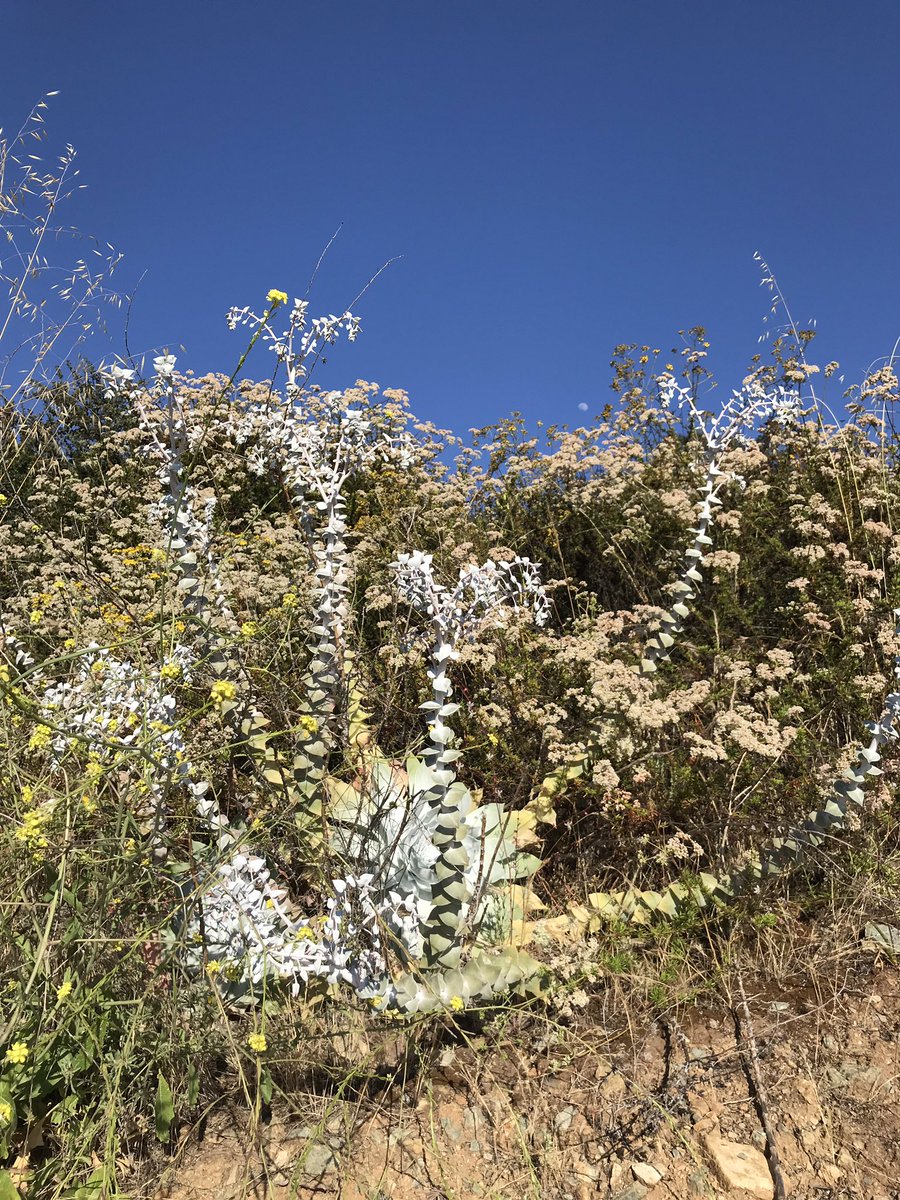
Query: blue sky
(558, 178)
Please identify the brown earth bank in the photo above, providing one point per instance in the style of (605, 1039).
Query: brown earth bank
(773, 1092)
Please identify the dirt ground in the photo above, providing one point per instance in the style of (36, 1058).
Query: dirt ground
(560, 1109)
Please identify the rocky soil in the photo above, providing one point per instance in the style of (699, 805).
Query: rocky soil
(559, 1109)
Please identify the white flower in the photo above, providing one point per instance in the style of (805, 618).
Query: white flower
(164, 365)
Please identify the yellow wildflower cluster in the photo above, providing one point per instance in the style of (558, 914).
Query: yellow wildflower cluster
(222, 690)
(257, 1043)
(308, 724)
(114, 617)
(32, 830)
(17, 1053)
(6, 1110)
(276, 297)
(170, 670)
(64, 991)
(249, 629)
(289, 600)
(40, 738)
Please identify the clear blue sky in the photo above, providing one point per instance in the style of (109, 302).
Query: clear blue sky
(557, 177)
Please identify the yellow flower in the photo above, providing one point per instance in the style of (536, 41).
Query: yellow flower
(17, 1053)
(36, 616)
(249, 629)
(6, 1112)
(4, 673)
(222, 690)
(257, 1043)
(289, 600)
(39, 738)
(308, 724)
(170, 670)
(457, 1004)
(3, 499)
(69, 644)
(64, 990)
(276, 297)
(94, 770)
(89, 803)
(213, 967)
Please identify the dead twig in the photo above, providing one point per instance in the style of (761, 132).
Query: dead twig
(749, 1055)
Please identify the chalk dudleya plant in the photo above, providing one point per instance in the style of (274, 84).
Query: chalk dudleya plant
(425, 866)
(421, 830)
(739, 415)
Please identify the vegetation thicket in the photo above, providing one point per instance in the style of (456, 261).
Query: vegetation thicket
(314, 717)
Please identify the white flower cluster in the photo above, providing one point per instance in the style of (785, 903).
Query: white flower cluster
(242, 923)
(744, 409)
(14, 651)
(121, 380)
(112, 705)
(480, 592)
(118, 379)
(297, 346)
(457, 613)
(122, 715)
(318, 450)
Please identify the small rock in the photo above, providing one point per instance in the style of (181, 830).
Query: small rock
(646, 1173)
(779, 1006)
(698, 1182)
(635, 1191)
(860, 1081)
(582, 1169)
(699, 1053)
(884, 937)
(319, 1159)
(739, 1166)
(563, 1119)
(613, 1086)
